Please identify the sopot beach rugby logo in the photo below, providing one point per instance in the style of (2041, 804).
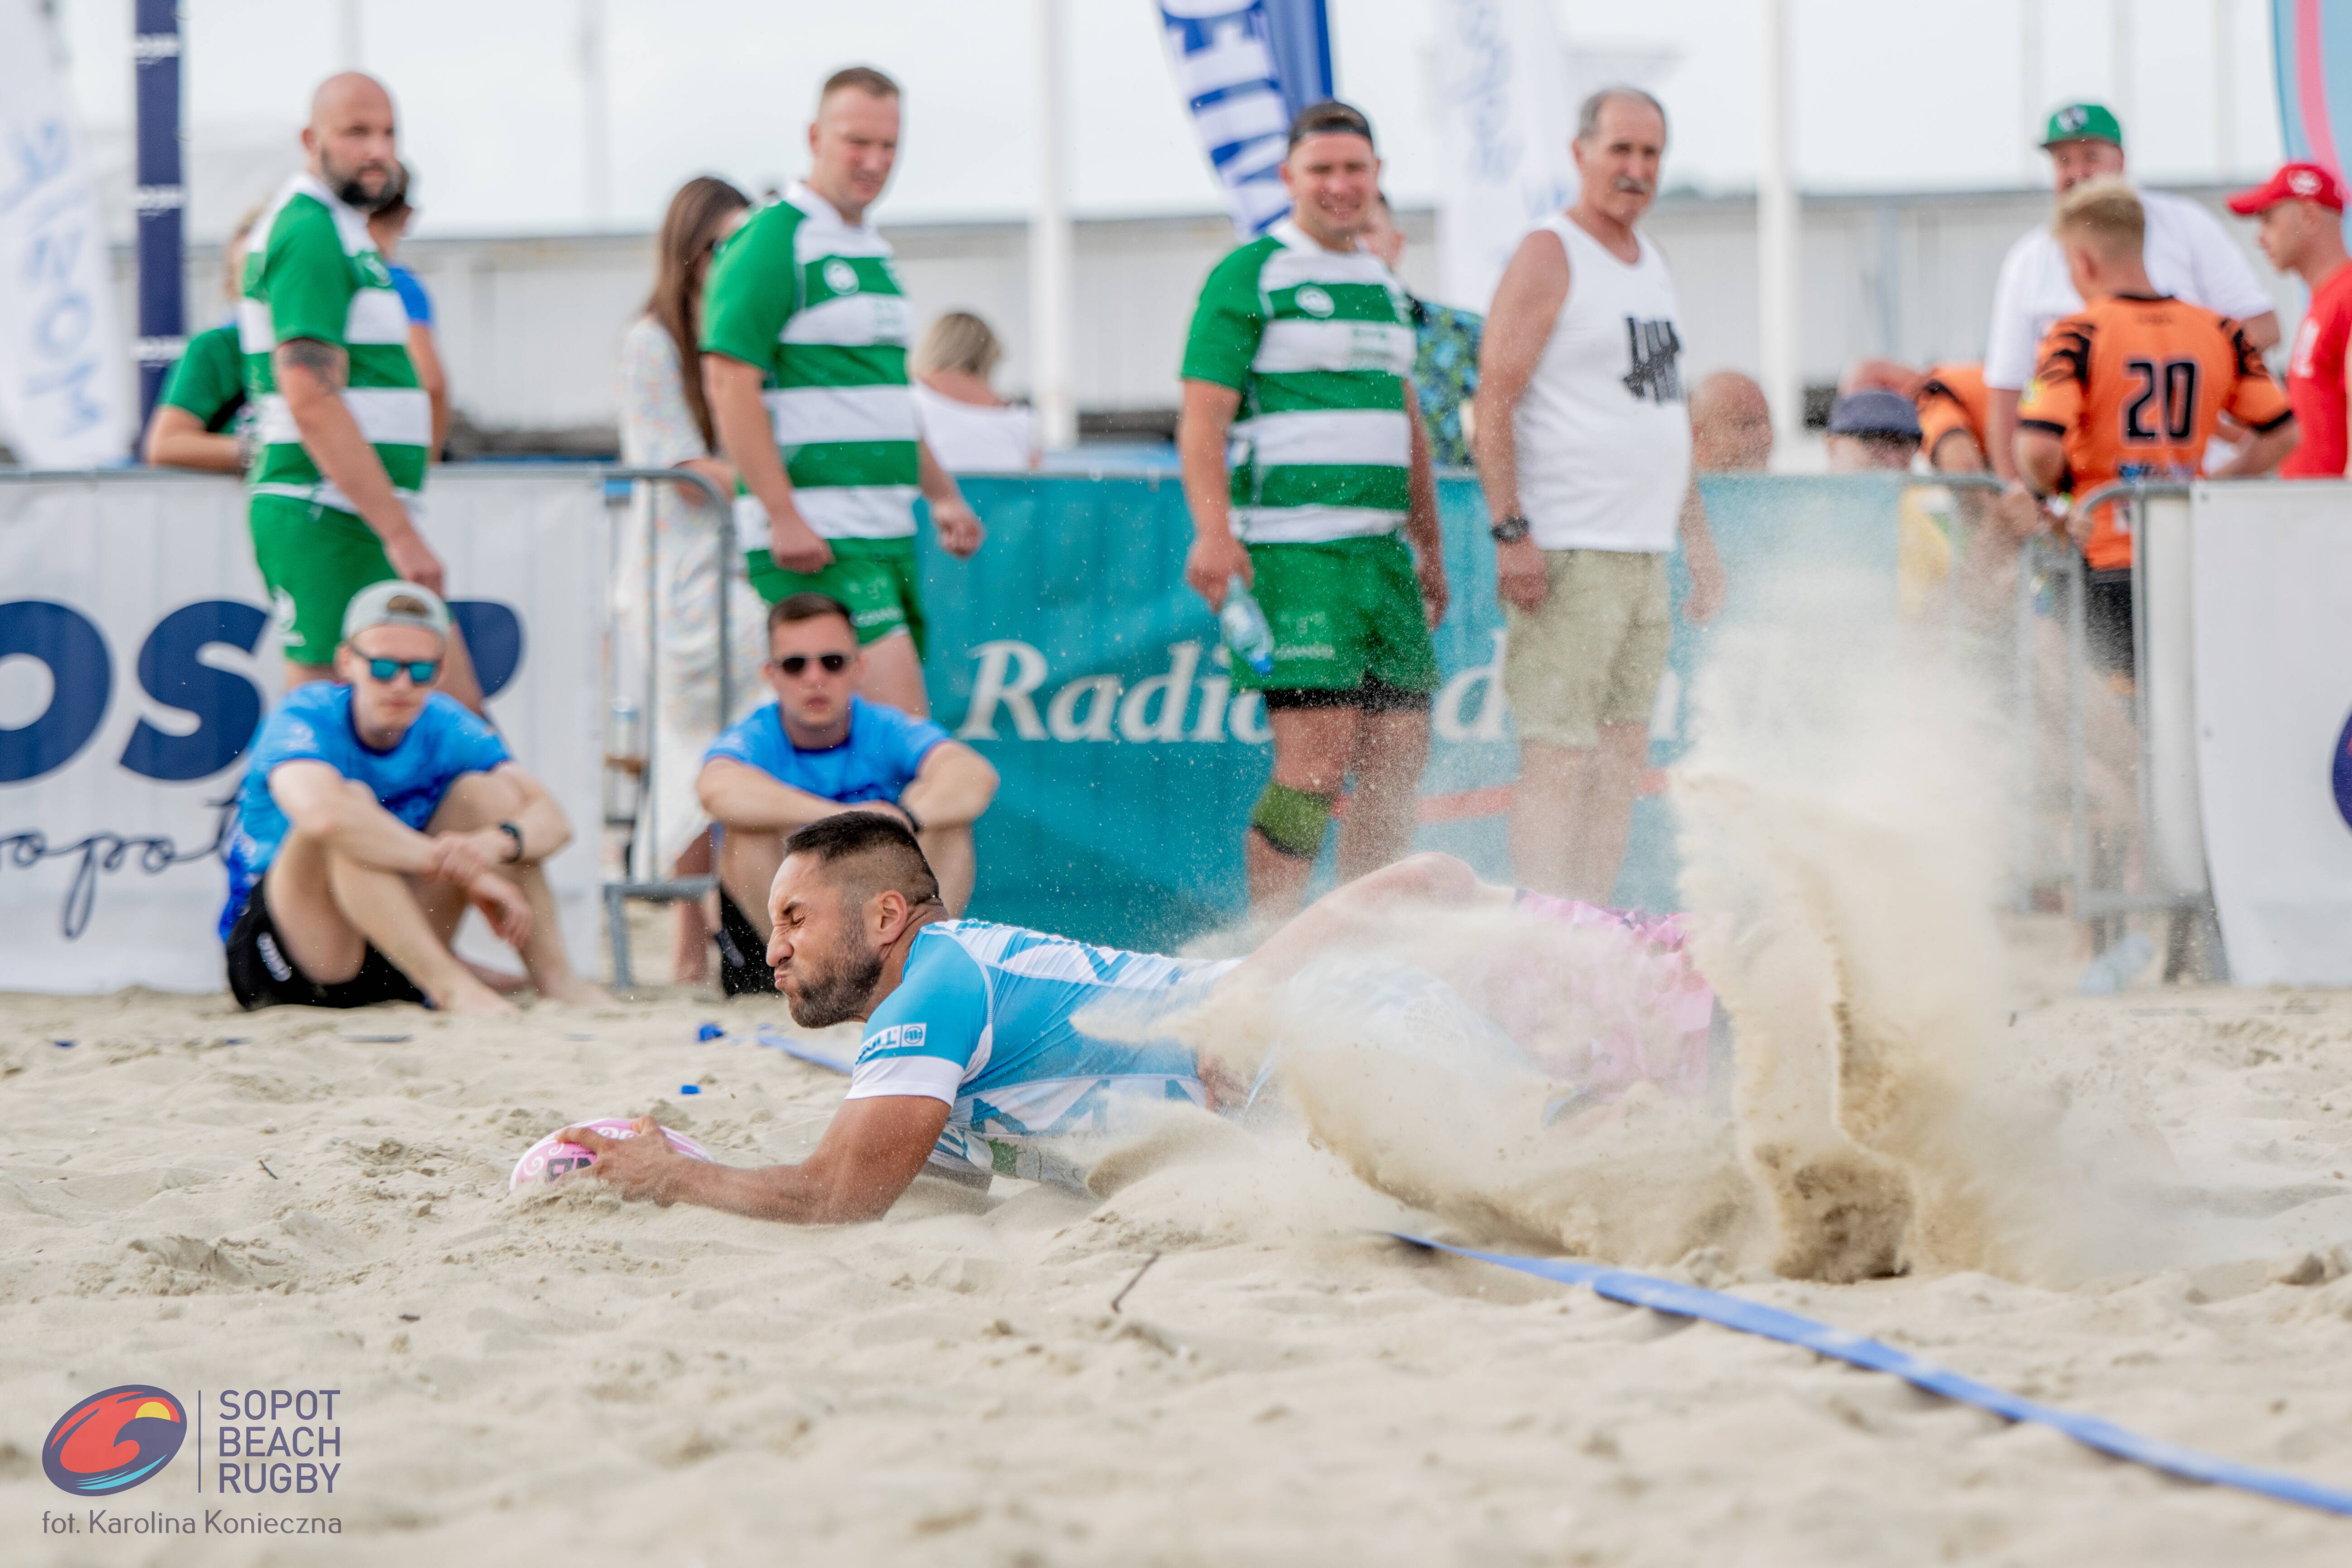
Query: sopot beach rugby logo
(113, 1440)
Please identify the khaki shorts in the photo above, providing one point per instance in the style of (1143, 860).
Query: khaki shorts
(1594, 652)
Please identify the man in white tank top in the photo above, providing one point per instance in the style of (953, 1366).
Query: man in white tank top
(1584, 451)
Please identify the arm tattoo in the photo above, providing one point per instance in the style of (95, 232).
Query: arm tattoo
(325, 361)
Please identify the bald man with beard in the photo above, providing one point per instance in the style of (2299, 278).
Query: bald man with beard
(344, 426)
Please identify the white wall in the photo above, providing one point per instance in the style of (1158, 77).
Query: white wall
(531, 326)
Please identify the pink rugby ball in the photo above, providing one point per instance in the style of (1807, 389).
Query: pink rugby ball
(551, 1157)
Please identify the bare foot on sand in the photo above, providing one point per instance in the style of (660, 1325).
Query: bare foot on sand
(472, 996)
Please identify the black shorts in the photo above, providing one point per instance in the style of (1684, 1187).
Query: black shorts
(1373, 695)
(742, 953)
(2112, 646)
(260, 975)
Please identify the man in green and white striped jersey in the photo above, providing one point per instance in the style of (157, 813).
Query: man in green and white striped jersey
(342, 424)
(804, 362)
(1310, 340)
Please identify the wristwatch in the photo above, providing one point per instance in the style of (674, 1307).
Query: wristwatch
(1510, 530)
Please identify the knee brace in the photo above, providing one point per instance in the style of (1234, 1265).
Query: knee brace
(1292, 820)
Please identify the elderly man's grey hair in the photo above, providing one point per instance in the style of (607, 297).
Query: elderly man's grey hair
(1588, 117)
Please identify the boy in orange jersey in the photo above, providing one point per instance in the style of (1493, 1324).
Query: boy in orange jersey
(2131, 387)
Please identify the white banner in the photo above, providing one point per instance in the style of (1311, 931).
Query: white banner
(2272, 593)
(65, 378)
(1224, 55)
(1504, 125)
(135, 663)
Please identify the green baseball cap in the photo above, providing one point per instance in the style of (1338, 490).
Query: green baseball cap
(2082, 122)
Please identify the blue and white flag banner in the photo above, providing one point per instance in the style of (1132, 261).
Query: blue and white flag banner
(1244, 70)
(64, 391)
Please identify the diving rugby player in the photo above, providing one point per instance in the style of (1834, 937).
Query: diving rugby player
(980, 1040)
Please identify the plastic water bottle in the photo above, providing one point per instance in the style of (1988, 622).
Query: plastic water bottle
(1244, 626)
(2117, 967)
(624, 731)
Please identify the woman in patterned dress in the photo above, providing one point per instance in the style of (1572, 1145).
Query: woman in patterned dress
(686, 544)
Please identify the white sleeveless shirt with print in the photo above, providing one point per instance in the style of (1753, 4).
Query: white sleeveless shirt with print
(1604, 442)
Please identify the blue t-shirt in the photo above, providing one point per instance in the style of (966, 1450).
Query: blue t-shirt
(412, 293)
(884, 751)
(1028, 1036)
(314, 724)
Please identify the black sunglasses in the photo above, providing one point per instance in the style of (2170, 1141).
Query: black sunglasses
(385, 671)
(793, 663)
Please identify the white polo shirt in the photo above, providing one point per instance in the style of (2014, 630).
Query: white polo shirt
(2189, 255)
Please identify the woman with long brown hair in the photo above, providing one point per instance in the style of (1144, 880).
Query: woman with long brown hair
(681, 547)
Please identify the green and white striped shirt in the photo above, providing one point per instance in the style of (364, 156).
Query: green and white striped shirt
(1319, 344)
(815, 303)
(314, 273)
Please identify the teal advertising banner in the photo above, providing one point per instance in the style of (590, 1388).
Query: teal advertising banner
(1070, 653)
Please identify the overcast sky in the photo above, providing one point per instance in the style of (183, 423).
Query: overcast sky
(1892, 94)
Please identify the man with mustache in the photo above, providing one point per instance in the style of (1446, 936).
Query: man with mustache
(1584, 451)
(344, 426)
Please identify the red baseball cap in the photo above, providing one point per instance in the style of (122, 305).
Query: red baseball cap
(2293, 183)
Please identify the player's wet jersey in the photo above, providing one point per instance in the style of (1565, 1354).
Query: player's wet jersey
(1026, 1035)
(2135, 386)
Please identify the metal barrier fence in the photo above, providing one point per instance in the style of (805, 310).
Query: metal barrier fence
(660, 890)
(1073, 629)
(1020, 598)
(2164, 834)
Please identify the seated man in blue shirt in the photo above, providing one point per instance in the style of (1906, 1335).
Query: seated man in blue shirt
(374, 812)
(819, 750)
(983, 1041)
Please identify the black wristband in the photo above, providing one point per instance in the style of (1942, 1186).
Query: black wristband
(914, 823)
(511, 831)
(1509, 529)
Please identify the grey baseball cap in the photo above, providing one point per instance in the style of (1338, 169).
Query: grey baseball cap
(396, 604)
(1875, 412)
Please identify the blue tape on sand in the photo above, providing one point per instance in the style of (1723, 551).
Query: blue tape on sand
(794, 1045)
(1755, 1318)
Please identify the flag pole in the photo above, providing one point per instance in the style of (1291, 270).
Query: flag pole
(1051, 268)
(160, 196)
(1777, 239)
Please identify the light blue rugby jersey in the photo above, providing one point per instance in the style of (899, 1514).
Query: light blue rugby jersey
(1027, 1036)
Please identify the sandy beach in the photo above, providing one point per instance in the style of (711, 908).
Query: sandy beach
(208, 1200)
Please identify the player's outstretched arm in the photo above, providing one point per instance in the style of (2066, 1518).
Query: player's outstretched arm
(868, 1157)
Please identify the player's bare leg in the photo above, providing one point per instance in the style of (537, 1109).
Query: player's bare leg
(894, 674)
(1311, 748)
(1384, 806)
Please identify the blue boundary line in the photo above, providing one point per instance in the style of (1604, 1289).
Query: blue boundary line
(1755, 1318)
(776, 1039)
